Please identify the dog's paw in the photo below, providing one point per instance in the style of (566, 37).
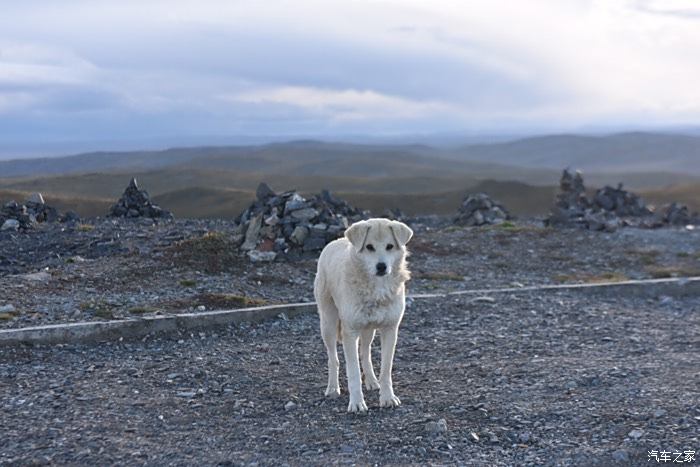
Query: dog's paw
(332, 392)
(389, 401)
(371, 384)
(357, 406)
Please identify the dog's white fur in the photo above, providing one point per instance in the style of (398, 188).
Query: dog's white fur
(354, 301)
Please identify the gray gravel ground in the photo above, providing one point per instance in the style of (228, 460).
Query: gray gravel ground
(526, 379)
(114, 269)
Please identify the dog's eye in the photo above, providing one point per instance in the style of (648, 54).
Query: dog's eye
(370, 247)
(389, 246)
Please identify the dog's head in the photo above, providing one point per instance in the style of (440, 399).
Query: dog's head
(379, 244)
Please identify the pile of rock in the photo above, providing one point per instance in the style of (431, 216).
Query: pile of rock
(15, 216)
(479, 209)
(678, 214)
(620, 202)
(136, 203)
(610, 208)
(395, 214)
(287, 223)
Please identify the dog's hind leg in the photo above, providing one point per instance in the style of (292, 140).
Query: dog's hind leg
(329, 331)
(371, 381)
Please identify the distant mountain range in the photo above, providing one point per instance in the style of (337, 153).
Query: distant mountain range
(635, 156)
(623, 152)
(220, 181)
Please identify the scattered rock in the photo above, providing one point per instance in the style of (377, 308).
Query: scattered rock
(474, 437)
(257, 256)
(483, 300)
(620, 455)
(41, 276)
(635, 434)
(10, 224)
(290, 406)
(436, 428)
(9, 308)
(137, 203)
(665, 300)
(479, 209)
(283, 224)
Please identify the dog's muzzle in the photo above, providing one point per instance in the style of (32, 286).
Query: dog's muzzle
(381, 269)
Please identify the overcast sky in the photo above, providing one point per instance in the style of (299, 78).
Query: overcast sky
(148, 70)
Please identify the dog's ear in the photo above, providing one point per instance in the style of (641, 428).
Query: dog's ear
(357, 234)
(402, 232)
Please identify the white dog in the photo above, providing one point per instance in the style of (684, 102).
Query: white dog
(359, 289)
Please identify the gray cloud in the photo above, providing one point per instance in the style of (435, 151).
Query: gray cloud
(143, 69)
(653, 7)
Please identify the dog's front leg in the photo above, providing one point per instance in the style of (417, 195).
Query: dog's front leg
(386, 388)
(352, 366)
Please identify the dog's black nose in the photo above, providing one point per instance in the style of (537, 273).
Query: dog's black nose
(381, 269)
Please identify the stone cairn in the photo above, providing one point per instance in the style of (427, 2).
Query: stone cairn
(478, 209)
(610, 208)
(136, 203)
(288, 224)
(15, 216)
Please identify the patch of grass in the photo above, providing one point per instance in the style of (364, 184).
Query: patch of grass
(140, 310)
(507, 225)
(646, 256)
(85, 227)
(589, 278)
(662, 272)
(99, 309)
(512, 227)
(6, 316)
(225, 300)
(689, 255)
(188, 282)
(440, 276)
(104, 313)
(212, 252)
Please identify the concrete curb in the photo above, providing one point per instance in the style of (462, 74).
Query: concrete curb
(677, 287)
(95, 331)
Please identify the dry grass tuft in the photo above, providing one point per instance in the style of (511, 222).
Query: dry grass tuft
(212, 252)
(140, 310)
(590, 278)
(439, 276)
(225, 300)
(662, 272)
(85, 227)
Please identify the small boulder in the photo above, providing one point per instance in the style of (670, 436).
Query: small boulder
(35, 198)
(10, 224)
